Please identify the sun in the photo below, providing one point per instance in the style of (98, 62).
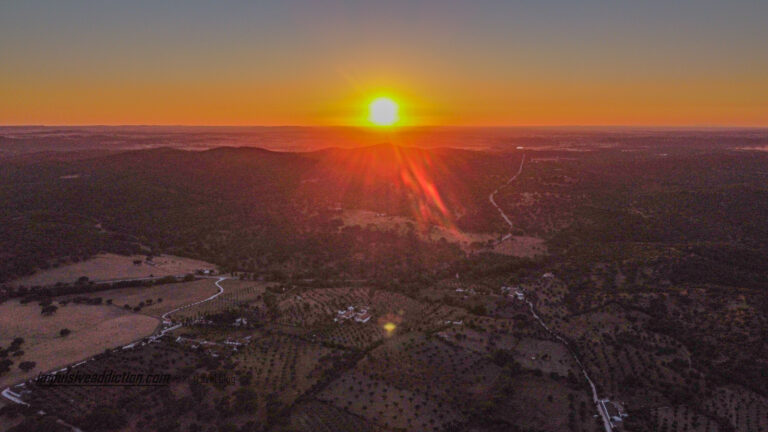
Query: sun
(383, 112)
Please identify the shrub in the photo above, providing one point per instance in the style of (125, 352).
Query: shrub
(49, 310)
(27, 366)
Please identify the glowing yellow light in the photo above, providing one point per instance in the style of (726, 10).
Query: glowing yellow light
(383, 112)
(390, 327)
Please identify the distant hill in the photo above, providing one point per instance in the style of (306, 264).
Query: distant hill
(169, 198)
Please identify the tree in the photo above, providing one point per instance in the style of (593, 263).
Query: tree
(503, 358)
(49, 310)
(479, 310)
(64, 332)
(27, 366)
(5, 366)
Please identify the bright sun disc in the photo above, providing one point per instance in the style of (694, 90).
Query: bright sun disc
(383, 112)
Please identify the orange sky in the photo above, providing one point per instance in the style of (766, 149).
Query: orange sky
(446, 63)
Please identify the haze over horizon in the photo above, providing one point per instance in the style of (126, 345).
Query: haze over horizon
(319, 63)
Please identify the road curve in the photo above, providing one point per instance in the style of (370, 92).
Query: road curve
(164, 317)
(14, 397)
(493, 201)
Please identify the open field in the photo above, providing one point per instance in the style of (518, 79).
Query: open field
(401, 224)
(159, 299)
(104, 267)
(237, 294)
(521, 246)
(93, 329)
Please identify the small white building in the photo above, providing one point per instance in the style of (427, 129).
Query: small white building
(360, 315)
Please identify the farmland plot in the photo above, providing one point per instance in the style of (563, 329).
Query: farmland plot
(388, 405)
(92, 330)
(316, 416)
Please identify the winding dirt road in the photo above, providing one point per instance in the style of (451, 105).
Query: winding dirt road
(221, 291)
(595, 397)
(493, 201)
(167, 325)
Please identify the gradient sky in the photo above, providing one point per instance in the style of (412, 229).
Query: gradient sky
(317, 62)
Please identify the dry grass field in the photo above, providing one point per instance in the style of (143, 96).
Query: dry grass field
(522, 246)
(363, 218)
(106, 267)
(237, 293)
(93, 329)
(172, 295)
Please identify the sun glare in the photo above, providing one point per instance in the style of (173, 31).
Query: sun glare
(383, 112)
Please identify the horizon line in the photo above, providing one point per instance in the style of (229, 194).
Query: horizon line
(395, 128)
